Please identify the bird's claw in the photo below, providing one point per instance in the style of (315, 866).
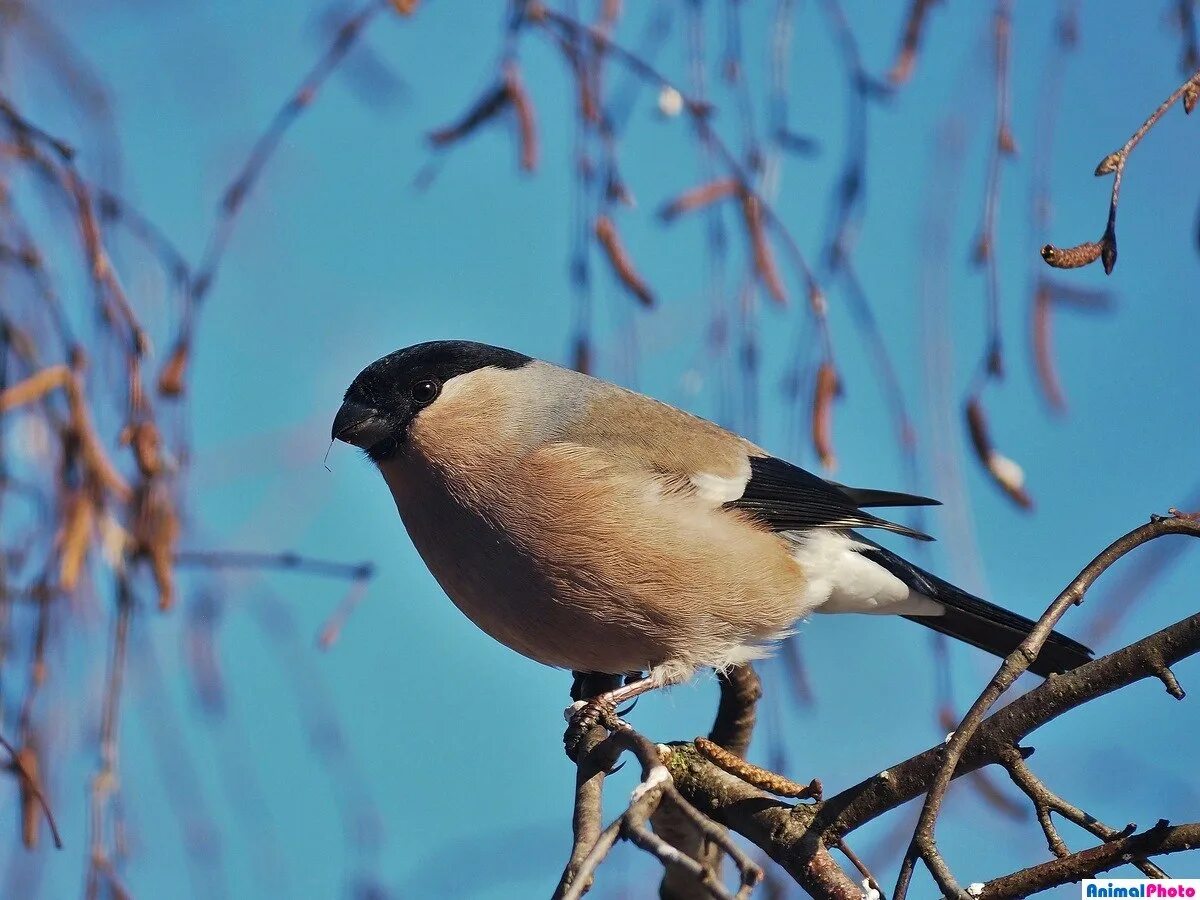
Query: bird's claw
(582, 716)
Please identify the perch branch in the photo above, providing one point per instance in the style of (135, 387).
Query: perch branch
(923, 843)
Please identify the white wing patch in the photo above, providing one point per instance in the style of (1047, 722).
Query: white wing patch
(718, 489)
(842, 581)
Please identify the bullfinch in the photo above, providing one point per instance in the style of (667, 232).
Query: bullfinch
(595, 529)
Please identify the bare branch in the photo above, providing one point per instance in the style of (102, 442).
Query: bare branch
(1161, 839)
(923, 843)
(294, 562)
(741, 689)
(1045, 802)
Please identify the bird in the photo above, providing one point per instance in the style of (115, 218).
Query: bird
(592, 528)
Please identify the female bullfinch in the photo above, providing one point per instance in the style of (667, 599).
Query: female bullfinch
(595, 529)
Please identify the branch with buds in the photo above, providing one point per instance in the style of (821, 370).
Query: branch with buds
(1114, 164)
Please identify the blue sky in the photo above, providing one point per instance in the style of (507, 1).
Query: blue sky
(338, 260)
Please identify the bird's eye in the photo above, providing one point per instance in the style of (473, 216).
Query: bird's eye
(425, 392)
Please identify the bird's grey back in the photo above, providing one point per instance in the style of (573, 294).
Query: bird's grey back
(564, 405)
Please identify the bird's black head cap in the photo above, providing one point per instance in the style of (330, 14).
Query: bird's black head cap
(387, 395)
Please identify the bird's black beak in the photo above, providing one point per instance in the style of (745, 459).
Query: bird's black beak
(360, 425)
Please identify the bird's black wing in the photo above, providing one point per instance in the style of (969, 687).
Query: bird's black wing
(872, 497)
(787, 498)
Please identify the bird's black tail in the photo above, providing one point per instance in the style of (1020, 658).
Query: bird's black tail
(977, 622)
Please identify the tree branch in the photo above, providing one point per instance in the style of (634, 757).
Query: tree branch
(924, 844)
(798, 837)
(1162, 838)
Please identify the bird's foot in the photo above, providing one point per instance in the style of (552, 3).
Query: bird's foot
(584, 715)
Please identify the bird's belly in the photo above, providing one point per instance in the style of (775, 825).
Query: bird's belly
(515, 597)
(552, 586)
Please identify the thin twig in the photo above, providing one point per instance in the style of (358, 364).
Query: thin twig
(294, 562)
(586, 819)
(1162, 838)
(247, 176)
(1114, 164)
(1045, 802)
(650, 796)
(32, 784)
(737, 712)
(866, 873)
(923, 843)
(105, 783)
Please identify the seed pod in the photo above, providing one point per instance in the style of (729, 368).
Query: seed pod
(1043, 353)
(172, 378)
(331, 630)
(164, 535)
(763, 779)
(75, 538)
(1006, 142)
(1006, 473)
(526, 123)
(622, 263)
(764, 259)
(619, 259)
(827, 389)
(698, 198)
(31, 809)
(1071, 257)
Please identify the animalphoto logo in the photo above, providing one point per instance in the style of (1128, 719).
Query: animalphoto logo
(1177, 888)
